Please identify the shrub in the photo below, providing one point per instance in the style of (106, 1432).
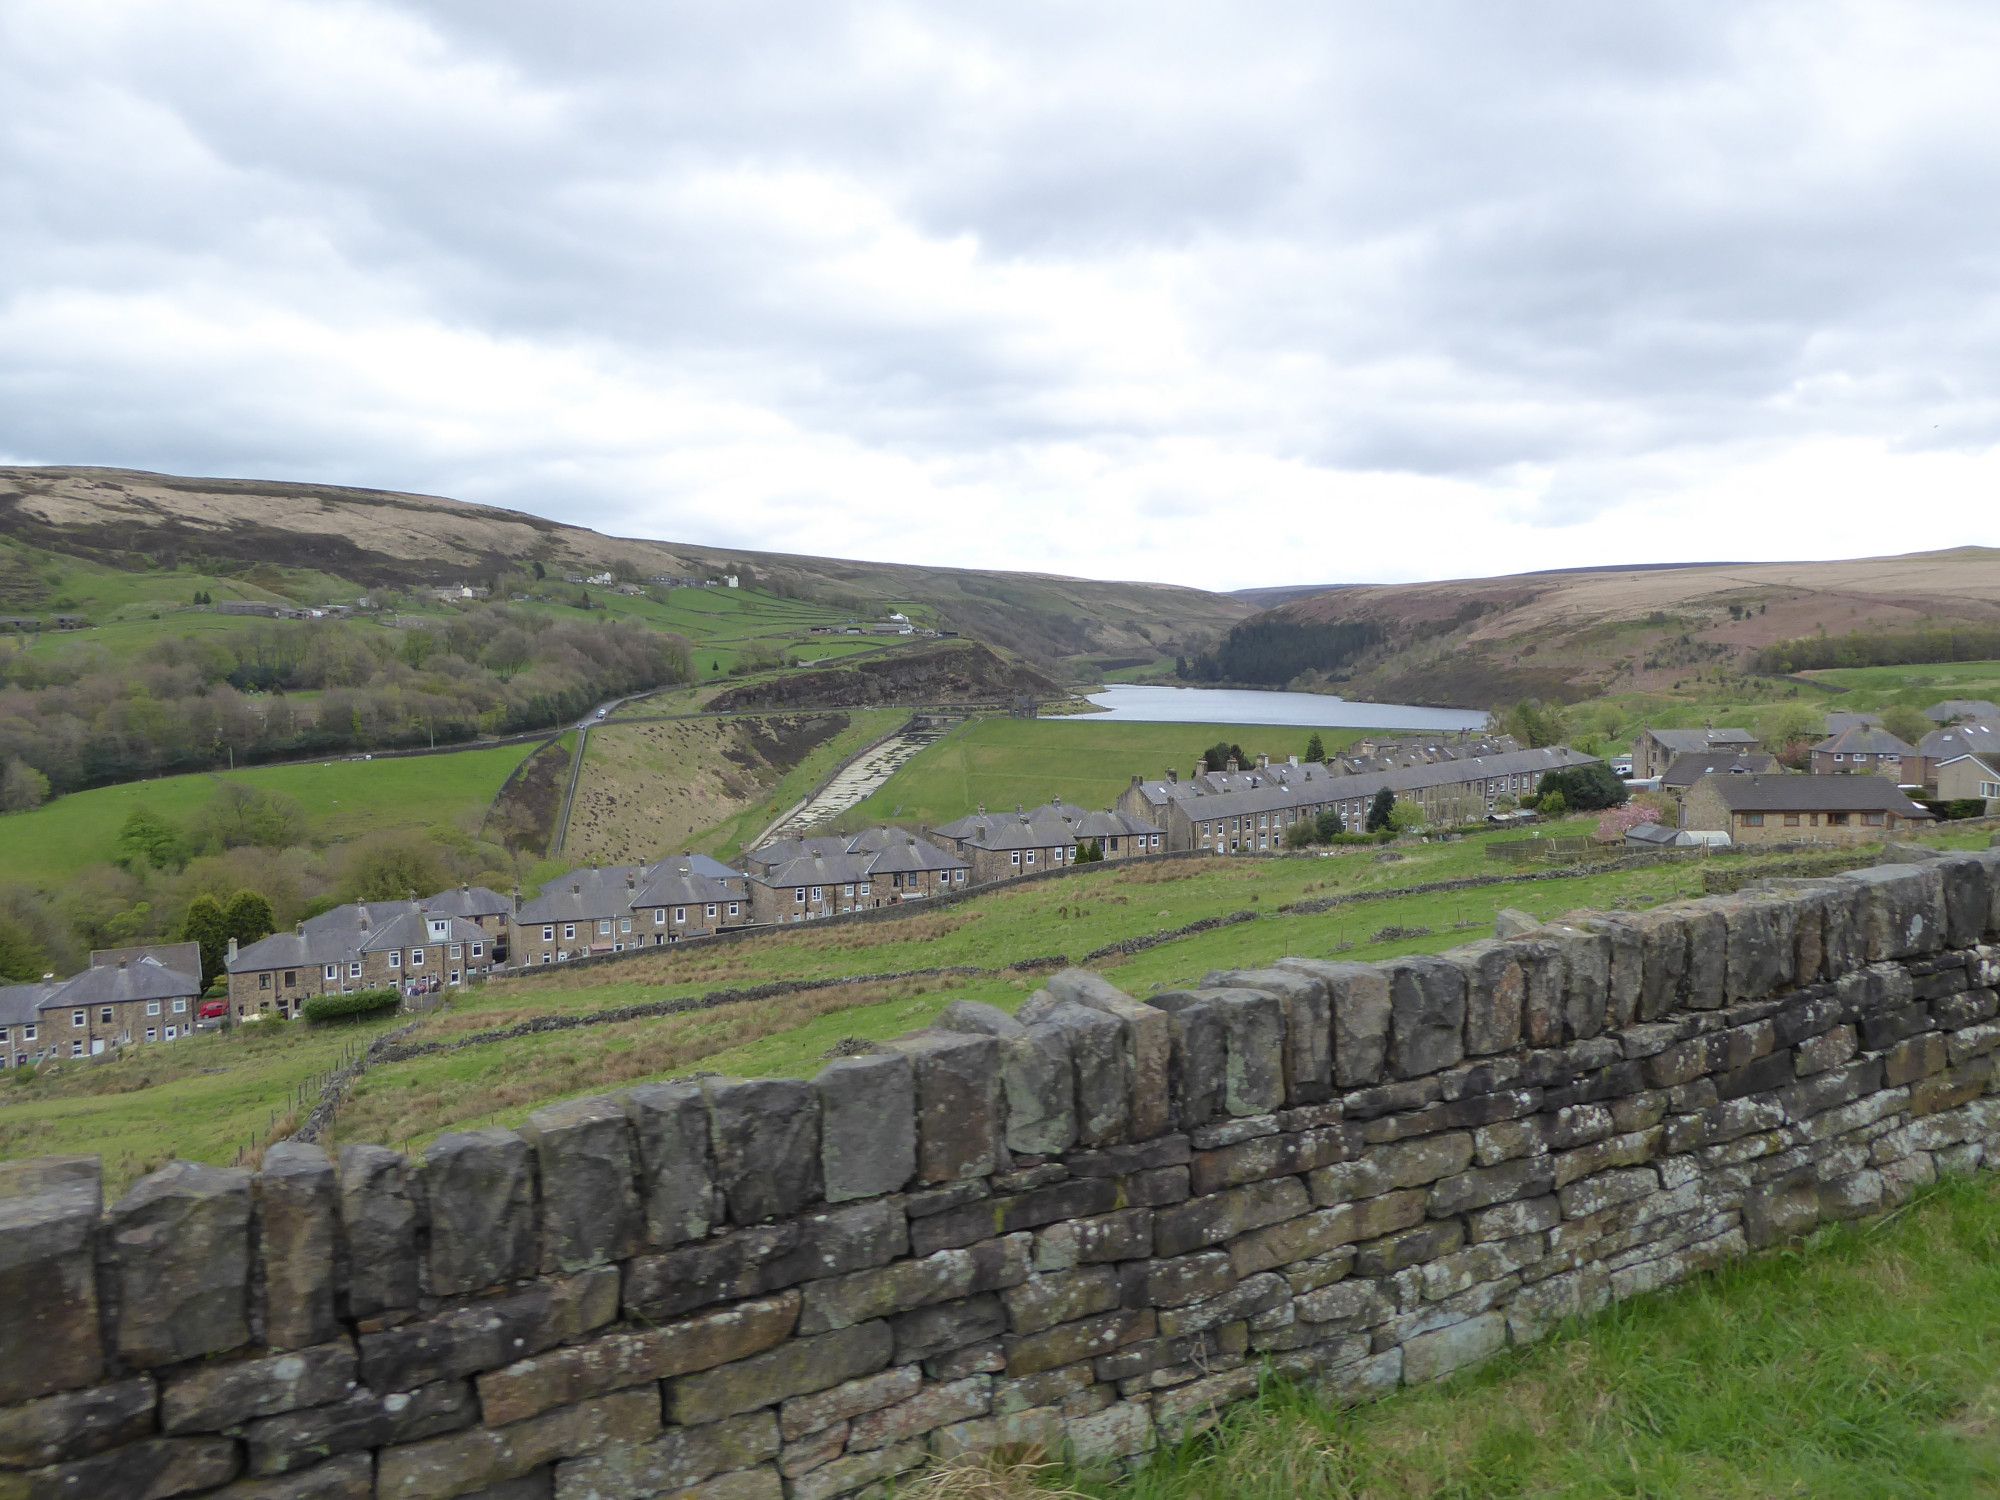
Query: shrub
(1586, 788)
(357, 1006)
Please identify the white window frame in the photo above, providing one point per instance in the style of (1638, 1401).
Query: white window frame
(416, 958)
(180, 1007)
(659, 916)
(395, 958)
(152, 1033)
(79, 1018)
(549, 932)
(478, 950)
(152, 1009)
(1015, 857)
(736, 908)
(354, 969)
(680, 914)
(711, 911)
(569, 932)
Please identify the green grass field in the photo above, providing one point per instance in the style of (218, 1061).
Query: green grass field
(342, 799)
(1084, 759)
(1858, 1366)
(1884, 685)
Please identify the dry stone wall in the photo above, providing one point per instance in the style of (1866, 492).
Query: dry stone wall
(1088, 1227)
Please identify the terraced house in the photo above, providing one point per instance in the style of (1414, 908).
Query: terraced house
(612, 908)
(796, 880)
(121, 1003)
(1006, 846)
(362, 946)
(1251, 812)
(1800, 809)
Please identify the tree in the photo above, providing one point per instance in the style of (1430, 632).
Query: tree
(248, 917)
(1619, 821)
(1586, 788)
(1330, 826)
(1381, 810)
(1218, 756)
(1181, 667)
(21, 957)
(1535, 724)
(149, 841)
(1315, 750)
(540, 571)
(1793, 721)
(1906, 723)
(1301, 834)
(1406, 817)
(22, 786)
(205, 924)
(389, 867)
(1553, 805)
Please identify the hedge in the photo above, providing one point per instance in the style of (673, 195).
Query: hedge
(350, 1007)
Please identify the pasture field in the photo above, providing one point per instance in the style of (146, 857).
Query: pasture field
(1084, 759)
(342, 799)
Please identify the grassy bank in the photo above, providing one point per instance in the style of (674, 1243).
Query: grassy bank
(341, 799)
(1861, 1365)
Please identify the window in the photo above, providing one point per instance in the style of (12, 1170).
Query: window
(956, 875)
(105, 1016)
(864, 887)
(848, 889)
(152, 1009)
(478, 950)
(1015, 857)
(76, 1049)
(569, 931)
(454, 976)
(735, 908)
(1873, 820)
(180, 1007)
(680, 913)
(711, 911)
(624, 924)
(816, 893)
(395, 958)
(457, 951)
(1031, 856)
(799, 896)
(174, 1031)
(1838, 756)
(1753, 820)
(354, 971)
(152, 1033)
(549, 934)
(660, 916)
(416, 958)
(28, 1033)
(604, 927)
(291, 978)
(1791, 820)
(76, 1018)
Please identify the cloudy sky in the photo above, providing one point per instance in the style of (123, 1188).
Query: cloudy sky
(1223, 294)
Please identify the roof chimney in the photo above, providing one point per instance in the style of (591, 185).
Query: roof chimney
(1264, 761)
(982, 809)
(1173, 776)
(1232, 766)
(230, 951)
(1291, 760)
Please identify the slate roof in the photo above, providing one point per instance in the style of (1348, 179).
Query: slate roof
(1113, 824)
(115, 984)
(1270, 794)
(1978, 736)
(1835, 722)
(1651, 833)
(184, 958)
(683, 882)
(1686, 769)
(294, 950)
(468, 901)
(1962, 708)
(1682, 741)
(1863, 741)
(1043, 826)
(1813, 794)
(21, 1004)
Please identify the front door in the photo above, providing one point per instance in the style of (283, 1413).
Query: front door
(97, 1046)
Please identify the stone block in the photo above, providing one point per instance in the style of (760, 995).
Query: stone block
(76, 1424)
(1586, 984)
(462, 1462)
(381, 1210)
(764, 1140)
(479, 1187)
(1968, 897)
(1762, 936)
(796, 1368)
(1359, 998)
(1663, 957)
(1707, 983)
(929, 1409)
(587, 1162)
(1222, 1216)
(577, 1372)
(1528, 1177)
(1148, 1042)
(1124, 1235)
(1400, 1164)
(676, 1171)
(489, 1333)
(1624, 975)
(1426, 1015)
(49, 1326)
(1253, 1295)
(218, 1394)
(1072, 1343)
(844, 1301)
(868, 1126)
(181, 1243)
(803, 1415)
(859, 1472)
(1253, 1028)
(678, 1461)
(1100, 1070)
(766, 1258)
(1044, 1301)
(1903, 907)
(961, 1111)
(1432, 1356)
(150, 1470)
(1036, 1076)
(926, 1333)
(297, 1219)
(1408, 1247)
(1308, 1025)
(1017, 1211)
(1496, 988)
(365, 1419)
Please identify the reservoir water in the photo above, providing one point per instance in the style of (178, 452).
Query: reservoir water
(1179, 705)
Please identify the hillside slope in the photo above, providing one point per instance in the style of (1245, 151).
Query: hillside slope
(1486, 641)
(382, 537)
